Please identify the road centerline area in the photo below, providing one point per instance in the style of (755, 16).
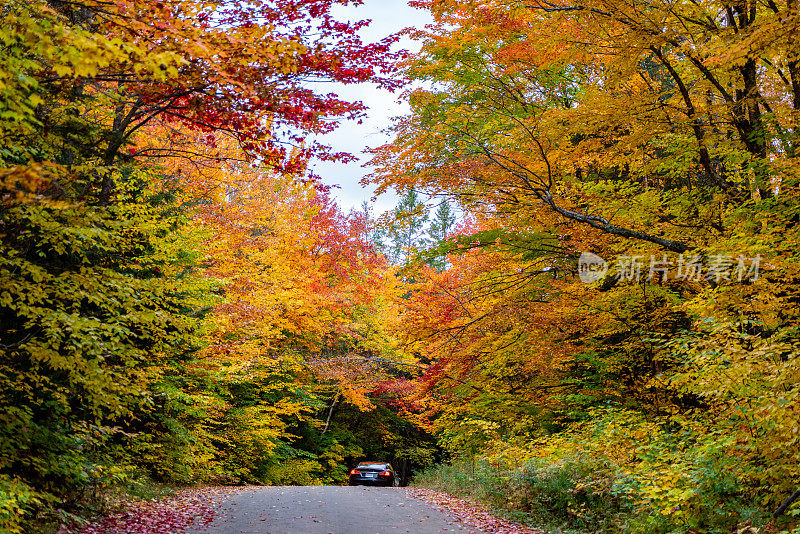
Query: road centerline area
(329, 510)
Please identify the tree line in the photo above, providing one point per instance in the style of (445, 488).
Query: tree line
(181, 302)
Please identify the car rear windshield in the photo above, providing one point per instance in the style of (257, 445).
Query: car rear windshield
(372, 466)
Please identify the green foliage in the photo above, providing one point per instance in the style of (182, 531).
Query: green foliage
(601, 476)
(16, 500)
(382, 434)
(403, 233)
(439, 230)
(95, 305)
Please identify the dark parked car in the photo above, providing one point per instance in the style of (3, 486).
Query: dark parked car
(373, 474)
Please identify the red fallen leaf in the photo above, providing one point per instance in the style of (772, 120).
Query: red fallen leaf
(469, 513)
(172, 515)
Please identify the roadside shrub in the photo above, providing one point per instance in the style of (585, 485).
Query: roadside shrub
(603, 476)
(16, 500)
(462, 478)
(296, 472)
(571, 492)
(566, 494)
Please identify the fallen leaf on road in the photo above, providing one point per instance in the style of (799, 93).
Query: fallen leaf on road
(469, 513)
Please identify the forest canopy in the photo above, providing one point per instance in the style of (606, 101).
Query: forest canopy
(586, 298)
(653, 145)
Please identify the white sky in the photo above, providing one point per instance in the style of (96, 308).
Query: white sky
(388, 16)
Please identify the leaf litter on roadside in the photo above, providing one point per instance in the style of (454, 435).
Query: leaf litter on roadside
(469, 513)
(188, 508)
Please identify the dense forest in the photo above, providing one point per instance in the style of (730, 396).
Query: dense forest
(583, 311)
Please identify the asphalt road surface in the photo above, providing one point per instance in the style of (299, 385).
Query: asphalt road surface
(330, 510)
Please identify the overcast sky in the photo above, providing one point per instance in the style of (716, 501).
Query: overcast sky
(388, 16)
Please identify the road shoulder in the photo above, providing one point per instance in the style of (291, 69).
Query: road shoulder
(469, 513)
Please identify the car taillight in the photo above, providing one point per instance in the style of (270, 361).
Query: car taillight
(355, 472)
(385, 473)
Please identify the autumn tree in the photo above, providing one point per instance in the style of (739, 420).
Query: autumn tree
(96, 309)
(623, 130)
(107, 109)
(182, 64)
(517, 133)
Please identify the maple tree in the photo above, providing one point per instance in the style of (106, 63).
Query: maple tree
(181, 64)
(95, 307)
(640, 121)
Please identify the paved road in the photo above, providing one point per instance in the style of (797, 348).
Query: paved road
(330, 510)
